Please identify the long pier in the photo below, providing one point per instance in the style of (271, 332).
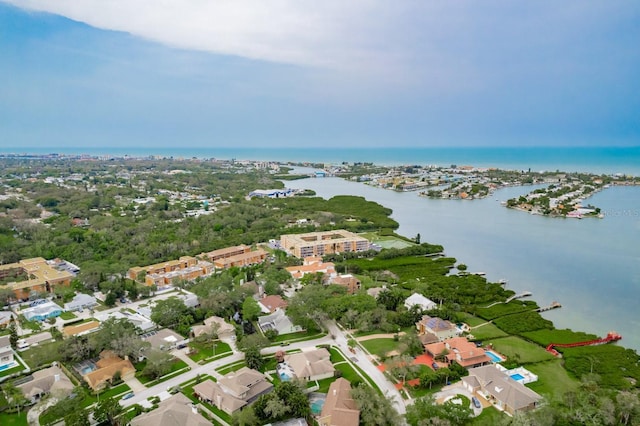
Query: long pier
(553, 305)
(518, 296)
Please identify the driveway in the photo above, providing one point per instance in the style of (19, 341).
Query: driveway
(457, 389)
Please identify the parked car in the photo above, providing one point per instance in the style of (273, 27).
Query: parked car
(129, 395)
(435, 365)
(476, 402)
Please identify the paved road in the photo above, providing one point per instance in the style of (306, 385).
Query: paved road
(339, 339)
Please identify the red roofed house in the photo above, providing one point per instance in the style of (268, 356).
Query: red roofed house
(459, 350)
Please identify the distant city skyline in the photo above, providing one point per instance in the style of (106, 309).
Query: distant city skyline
(124, 74)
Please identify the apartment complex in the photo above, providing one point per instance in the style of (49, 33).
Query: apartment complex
(323, 243)
(166, 273)
(235, 256)
(36, 275)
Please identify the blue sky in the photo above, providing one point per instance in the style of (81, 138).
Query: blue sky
(287, 73)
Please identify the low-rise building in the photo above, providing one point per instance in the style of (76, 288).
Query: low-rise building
(420, 301)
(174, 411)
(270, 304)
(493, 384)
(217, 325)
(81, 301)
(37, 275)
(339, 408)
(107, 367)
(164, 339)
(460, 351)
(165, 274)
(41, 310)
(443, 329)
(351, 283)
(47, 381)
(311, 365)
(6, 353)
(278, 321)
(312, 265)
(323, 243)
(80, 329)
(233, 391)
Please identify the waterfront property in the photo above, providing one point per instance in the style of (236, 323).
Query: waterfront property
(458, 350)
(442, 329)
(420, 301)
(339, 408)
(233, 391)
(37, 275)
(322, 243)
(178, 409)
(495, 385)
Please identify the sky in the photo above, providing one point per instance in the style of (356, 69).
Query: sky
(335, 74)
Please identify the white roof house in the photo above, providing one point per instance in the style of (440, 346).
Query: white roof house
(80, 302)
(278, 321)
(419, 300)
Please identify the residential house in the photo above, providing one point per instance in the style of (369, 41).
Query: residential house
(323, 243)
(6, 353)
(142, 322)
(164, 339)
(81, 301)
(269, 304)
(222, 329)
(339, 408)
(47, 381)
(278, 321)
(495, 385)
(106, 368)
(459, 350)
(351, 283)
(312, 265)
(5, 318)
(41, 310)
(177, 410)
(443, 329)
(311, 365)
(420, 301)
(233, 391)
(80, 329)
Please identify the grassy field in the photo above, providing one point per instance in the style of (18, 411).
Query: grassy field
(553, 380)
(42, 354)
(472, 321)
(298, 337)
(177, 365)
(487, 331)
(544, 337)
(489, 417)
(386, 241)
(519, 350)
(13, 419)
(503, 309)
(231, 367)
(380, 347)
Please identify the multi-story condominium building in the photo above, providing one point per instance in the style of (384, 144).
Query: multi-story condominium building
(323, 243)
(36, 275)
(235, 256)
(166, 273)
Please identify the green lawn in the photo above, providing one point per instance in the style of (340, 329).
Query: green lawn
(116, 391)
(231, 367)
(42, 354)
(66, 315)
(14, 419)
(472, 321)
(487, 331)
(15, 369)
(544, 337)
(553, 380)
(299, 336)
(380, 347)
(503, 309)
(204, 351)
(519, 350)
(489, 417)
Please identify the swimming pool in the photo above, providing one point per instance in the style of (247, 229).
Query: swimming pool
(316, 405)
(284, 377)
(87, 370)
(517, 377)
(494, 356)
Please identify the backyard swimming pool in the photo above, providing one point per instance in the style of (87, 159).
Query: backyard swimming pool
(517, 377)
(494, 356)
(316, 401)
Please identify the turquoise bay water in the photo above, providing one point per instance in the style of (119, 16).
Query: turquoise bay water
(591, 266)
